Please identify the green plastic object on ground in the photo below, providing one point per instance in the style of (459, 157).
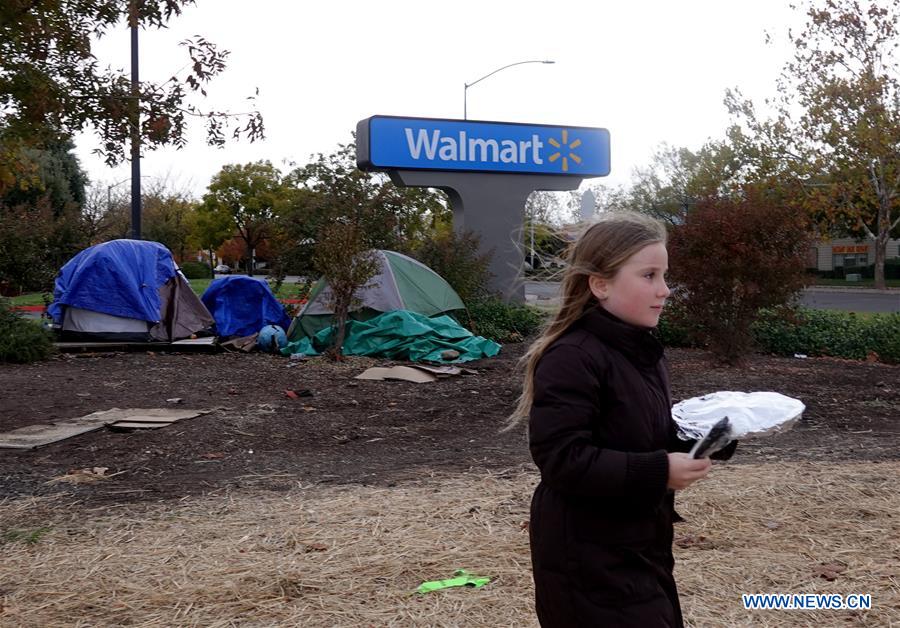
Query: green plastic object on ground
(402, 335)
(461, 578)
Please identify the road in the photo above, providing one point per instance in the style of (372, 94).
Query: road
(852, 300)
(848, 299)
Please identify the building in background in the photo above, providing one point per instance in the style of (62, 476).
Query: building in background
(843, 254)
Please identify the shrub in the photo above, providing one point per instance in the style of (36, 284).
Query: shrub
(26, 237)
(455, 257)
(196, 270)
(503, 322)
(22, 341)
(674, 328)
(732, 257)
(342, 257)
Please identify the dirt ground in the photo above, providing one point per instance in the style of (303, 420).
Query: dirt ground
(366, 432)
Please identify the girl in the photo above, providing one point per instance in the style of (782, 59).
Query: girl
(597, 396)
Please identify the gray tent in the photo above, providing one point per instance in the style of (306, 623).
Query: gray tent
(400, 283)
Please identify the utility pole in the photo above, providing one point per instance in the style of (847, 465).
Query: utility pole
(135, 125)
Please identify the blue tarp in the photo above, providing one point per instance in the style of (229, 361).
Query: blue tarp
(243, 305)
(120, 278)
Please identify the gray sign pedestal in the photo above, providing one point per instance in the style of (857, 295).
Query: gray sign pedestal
(489, 203)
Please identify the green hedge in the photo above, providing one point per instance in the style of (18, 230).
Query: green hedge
(829, 332)
(502, 322)
(196, 270)
(811, 332)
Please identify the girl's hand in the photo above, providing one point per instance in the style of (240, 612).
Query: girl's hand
(684, 470)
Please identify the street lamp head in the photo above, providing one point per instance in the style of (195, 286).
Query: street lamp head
(466, 86)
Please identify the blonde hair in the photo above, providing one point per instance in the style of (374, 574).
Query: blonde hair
(601, 249)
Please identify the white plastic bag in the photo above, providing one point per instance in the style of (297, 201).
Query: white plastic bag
(750, 414)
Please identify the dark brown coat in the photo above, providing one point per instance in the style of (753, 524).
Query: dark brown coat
(601, 517)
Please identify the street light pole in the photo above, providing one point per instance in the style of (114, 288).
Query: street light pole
(532, 240)
(468, 85)
(109, 192)
(135, 118)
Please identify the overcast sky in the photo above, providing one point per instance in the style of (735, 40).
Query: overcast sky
(649, 71)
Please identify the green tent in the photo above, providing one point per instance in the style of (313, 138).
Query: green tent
(400, 283)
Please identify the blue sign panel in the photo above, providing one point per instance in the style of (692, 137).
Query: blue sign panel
(385, 142)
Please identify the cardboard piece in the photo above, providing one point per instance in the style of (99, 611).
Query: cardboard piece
(148, 418)
(445, 370)
(404, 373)
(142, 425)
(440, 371)
(32, 436)
(243, 343)
(206, 340)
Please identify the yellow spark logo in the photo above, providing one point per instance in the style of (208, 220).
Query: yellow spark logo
(562, 146)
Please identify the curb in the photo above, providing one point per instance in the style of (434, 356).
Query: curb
(848, 290)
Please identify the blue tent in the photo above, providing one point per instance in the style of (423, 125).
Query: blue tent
(119, 278)
(125, 290)
(243, 305)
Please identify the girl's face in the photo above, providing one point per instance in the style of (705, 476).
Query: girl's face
(638, 291)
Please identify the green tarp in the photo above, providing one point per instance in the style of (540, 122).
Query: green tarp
(402, 335)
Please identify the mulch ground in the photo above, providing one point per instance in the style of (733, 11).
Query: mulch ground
(376, 433)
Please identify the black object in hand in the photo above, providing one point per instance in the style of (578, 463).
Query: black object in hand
(718, 436)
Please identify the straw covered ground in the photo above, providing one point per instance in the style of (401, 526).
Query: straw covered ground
(352, 555)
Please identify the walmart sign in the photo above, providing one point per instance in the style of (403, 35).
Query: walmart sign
(386, 142)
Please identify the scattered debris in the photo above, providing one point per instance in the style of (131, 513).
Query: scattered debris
(461, 578)
(85, 476)
(829, 571)
(445, 370)
(691, 541)
(296, 394)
